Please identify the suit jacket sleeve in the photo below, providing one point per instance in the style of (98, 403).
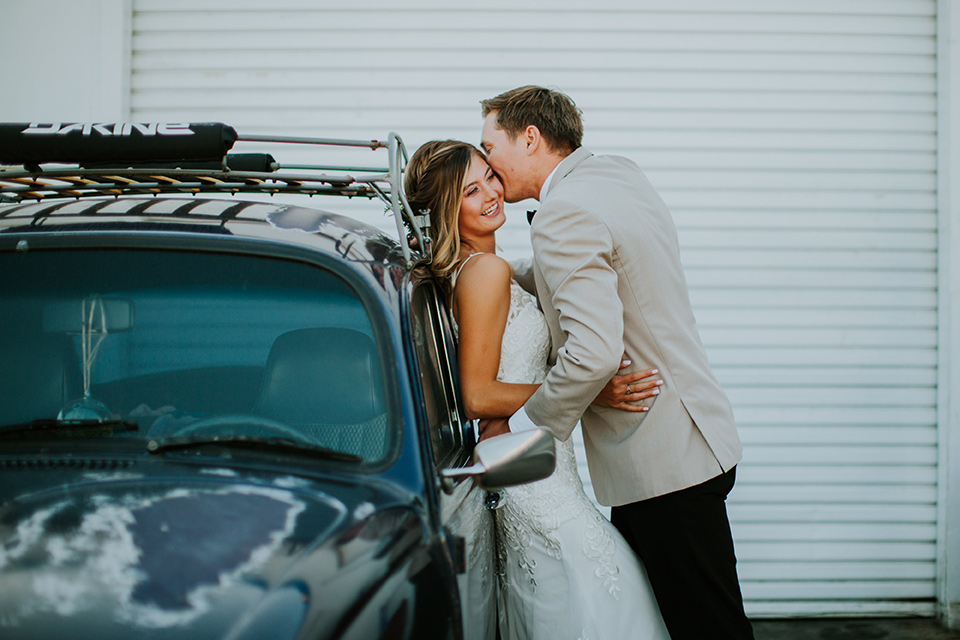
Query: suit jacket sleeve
(574, 253)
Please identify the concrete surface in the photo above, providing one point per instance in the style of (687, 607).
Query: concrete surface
(852, 629)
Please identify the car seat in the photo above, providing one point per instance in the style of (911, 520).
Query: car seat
(327, 383)
(39, 374)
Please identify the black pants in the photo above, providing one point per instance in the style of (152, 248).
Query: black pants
(685, 543)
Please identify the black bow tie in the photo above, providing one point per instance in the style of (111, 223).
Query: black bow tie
(530, 215)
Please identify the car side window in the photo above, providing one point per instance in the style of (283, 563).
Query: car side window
(437, 364)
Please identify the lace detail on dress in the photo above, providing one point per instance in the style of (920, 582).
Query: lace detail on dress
(539, 509)
(601, 547)
(526, 340)
(532, 513)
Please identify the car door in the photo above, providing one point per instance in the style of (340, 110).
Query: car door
(467, 523)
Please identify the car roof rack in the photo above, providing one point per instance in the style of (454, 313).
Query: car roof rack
(78, 160)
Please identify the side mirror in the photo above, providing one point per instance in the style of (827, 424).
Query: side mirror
(510, 459)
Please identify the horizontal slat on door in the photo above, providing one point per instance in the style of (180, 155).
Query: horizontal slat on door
(836, 435)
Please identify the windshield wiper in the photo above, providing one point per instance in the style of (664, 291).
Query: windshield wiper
(250, 442)
(52, 424)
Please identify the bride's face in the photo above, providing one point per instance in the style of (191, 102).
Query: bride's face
(481, 209)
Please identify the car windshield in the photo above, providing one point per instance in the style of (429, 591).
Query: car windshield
(174, 346)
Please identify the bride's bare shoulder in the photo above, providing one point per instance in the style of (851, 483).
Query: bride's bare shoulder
(484, 281)
(486, 270)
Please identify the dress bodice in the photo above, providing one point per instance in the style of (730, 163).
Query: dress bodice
(526, 340)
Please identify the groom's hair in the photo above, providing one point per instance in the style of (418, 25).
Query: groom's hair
(552, 112)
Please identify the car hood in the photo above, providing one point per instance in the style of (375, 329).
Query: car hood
(209, 553)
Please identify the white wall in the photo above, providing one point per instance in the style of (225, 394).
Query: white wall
(65, 61)
(948, 167)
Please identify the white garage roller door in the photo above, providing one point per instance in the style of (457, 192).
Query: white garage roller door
(796, 145)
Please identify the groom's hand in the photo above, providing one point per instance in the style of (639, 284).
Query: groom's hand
(490, 427)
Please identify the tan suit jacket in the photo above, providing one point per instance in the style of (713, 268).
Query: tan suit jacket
(608, 276)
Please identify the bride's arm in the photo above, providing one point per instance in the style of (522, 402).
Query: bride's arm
(480, 305)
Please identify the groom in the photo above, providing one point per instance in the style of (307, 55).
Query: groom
(608, 276)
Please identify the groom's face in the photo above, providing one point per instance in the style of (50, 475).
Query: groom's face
(507, 157)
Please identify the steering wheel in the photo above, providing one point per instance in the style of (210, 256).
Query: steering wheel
(243, 420)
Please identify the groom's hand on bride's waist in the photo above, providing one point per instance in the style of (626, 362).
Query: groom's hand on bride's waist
(489, 427)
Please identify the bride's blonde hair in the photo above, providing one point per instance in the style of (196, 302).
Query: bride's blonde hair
(434, 180)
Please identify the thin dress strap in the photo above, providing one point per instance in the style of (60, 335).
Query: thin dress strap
(453, 280)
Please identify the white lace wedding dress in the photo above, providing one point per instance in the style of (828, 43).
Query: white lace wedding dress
(565, 571)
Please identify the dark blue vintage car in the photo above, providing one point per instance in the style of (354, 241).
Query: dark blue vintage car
(229, 418)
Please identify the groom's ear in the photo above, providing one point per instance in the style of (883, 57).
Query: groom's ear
(531, 136)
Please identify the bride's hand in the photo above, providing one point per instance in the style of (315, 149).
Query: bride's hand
(631, 387)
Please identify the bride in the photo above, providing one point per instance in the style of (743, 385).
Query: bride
(565, 571)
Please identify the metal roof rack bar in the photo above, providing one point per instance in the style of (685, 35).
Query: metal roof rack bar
(334, 142)
(309, 167)
(121, 159)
